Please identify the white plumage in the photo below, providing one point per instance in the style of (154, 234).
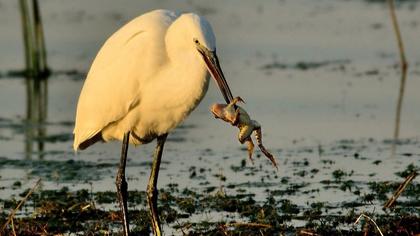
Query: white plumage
(147, 77)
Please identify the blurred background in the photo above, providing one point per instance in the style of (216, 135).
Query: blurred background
(322, 77)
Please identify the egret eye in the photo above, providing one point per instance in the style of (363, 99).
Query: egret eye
(196, 41)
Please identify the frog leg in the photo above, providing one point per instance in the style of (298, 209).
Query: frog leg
(258, 136)
(250, 147)
(245, 133)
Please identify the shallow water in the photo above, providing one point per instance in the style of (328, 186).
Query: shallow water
(320, 76)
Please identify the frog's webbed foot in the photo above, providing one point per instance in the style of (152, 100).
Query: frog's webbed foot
(250, 147)
(270, 156)
(236, 100)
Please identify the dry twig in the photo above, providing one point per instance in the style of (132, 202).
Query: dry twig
(307, 232)
(13, 228)
(371, 220)
(12, 214)
(400, 189)
(223, 228)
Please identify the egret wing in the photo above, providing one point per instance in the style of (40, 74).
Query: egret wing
(113, 86)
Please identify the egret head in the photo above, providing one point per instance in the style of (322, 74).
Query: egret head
(193, 33)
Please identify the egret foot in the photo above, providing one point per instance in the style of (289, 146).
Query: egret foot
(122, 184)
(152, 192)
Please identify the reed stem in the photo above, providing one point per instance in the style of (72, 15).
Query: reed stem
(404, 67)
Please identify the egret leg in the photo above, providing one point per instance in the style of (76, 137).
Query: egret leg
(152, 192)
(122, 184)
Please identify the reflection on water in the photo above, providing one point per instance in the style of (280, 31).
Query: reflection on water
(36, 114)
(36, 72)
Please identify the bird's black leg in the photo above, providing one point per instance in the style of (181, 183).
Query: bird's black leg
(122, 184)
(152, 192)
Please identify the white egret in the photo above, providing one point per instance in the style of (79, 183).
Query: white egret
(145, 80)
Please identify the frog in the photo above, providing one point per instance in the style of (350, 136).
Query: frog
(239, 117)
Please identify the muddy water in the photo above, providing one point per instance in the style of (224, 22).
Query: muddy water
(320, 76)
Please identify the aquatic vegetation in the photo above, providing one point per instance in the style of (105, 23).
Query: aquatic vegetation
(82, 211)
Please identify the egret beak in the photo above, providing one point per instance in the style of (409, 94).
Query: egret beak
(213, 66)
